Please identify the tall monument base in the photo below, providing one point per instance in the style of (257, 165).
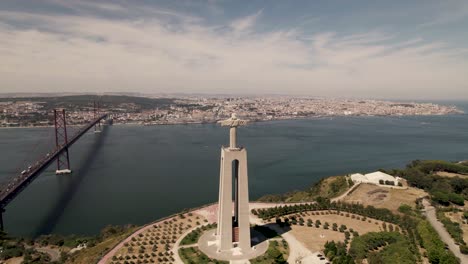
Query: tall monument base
(208, 244)
(233, 229)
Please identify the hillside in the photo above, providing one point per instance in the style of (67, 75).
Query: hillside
(329, 187)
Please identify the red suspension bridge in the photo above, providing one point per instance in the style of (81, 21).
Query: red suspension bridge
(60, 154)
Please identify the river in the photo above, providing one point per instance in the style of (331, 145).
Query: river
(136, 174)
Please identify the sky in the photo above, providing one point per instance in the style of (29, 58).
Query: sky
(356, 49)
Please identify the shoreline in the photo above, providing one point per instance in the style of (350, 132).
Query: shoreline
(252, 121)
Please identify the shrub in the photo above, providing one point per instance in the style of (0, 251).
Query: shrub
(405, 209)
(464, 249)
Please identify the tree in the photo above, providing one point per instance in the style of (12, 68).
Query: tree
(464, 249)
(335, 227)
(404, 208)
(456, 199)
(276, 255)
(441, 197)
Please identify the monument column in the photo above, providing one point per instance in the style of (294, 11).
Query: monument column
(232, 137)
(233, 229)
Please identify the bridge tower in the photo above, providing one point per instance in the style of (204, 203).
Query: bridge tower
(97, 126)
(61, 138)
(2, 210)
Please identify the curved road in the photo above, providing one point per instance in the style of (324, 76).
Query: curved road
(444, 235)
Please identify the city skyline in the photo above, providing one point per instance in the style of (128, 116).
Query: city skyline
(392, 50)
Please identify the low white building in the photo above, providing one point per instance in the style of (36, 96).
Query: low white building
(375, 178)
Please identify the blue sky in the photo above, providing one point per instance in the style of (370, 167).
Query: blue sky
(365, 49)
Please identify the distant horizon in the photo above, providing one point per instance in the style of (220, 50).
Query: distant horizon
(238, 95)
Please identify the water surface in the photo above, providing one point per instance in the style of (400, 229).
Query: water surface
(136, 174)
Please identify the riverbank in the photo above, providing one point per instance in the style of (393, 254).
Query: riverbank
(142, 123)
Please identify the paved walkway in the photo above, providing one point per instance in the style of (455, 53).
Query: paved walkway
(208, 245)
(175, 248)
(239, 262)
(297, 250)
(430, 213)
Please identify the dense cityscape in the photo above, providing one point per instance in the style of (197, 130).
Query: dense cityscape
(27, 112)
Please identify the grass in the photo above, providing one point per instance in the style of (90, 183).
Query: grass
(450, 174)
(277, 252)
(192, 237)
(94, 254)
(329, 187)
(381, 197)
(193, 255)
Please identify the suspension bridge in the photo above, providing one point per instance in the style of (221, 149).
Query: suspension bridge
(60, 155)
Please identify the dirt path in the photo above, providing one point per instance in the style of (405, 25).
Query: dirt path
(52, 252)
(346, 193)
(444, 235)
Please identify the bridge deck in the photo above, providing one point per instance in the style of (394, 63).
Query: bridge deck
(19, 183)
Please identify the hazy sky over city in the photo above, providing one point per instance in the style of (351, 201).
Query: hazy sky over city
(372, 49)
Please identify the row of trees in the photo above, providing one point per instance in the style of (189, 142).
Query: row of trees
(382, 214)
(453, 229)
(387, 182)
(435, 248)
(445, 198)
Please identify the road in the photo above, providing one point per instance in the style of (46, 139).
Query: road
(444, 235)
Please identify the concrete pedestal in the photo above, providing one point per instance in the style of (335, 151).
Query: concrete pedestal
(233, 218)
(208, 244)
(64, 171)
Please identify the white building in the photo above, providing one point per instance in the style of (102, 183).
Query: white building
(374, 178)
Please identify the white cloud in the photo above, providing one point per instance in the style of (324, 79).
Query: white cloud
(80, 53)
(246, 23)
